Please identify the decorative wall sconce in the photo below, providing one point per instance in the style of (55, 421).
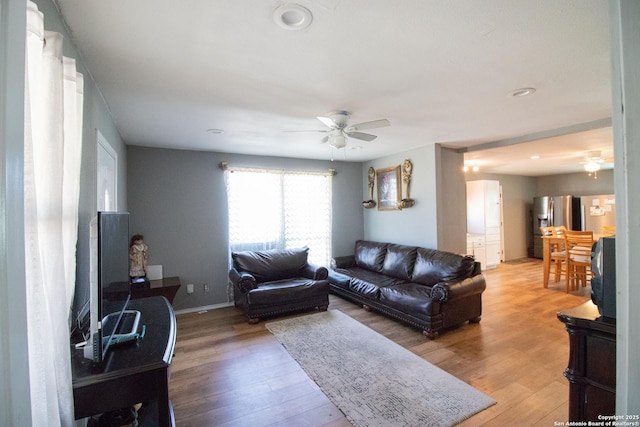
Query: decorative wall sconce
(368, 204)
(407, 169)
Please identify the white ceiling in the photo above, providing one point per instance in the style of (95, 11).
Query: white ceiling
(440, 71)
(549, 155)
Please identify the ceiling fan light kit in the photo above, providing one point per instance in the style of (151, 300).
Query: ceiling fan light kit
(340, 130)
(338, 141)
(592, 167)
(592, 163)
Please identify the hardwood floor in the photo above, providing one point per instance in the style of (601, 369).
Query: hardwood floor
(228, 373)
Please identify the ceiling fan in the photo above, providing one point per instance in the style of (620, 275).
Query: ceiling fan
(339, 128)
(592, 162)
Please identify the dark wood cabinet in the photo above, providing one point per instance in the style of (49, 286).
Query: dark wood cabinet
(592, 362)
(166, 287)
(135, 372)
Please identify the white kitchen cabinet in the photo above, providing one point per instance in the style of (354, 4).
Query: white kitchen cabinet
(492, 252)
(484, 222)
(476, 248)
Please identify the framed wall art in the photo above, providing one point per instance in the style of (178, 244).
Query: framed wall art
(388, 188)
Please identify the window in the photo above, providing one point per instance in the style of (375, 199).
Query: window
(274, 209)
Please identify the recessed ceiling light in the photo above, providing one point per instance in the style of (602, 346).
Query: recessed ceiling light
(536, 157)
(524, 91)
(292, 16)
(473, 165)
(215, 131)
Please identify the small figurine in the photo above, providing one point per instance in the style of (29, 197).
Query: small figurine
(137, 257)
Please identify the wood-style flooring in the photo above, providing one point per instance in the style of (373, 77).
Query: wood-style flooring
(228, 373)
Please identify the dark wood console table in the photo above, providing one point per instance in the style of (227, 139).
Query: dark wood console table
(166, 287)
(592, 362)
(136, 372)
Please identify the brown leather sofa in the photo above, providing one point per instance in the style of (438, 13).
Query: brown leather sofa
(427, 288)
(271, 282)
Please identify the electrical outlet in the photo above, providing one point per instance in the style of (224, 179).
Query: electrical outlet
(206, 287)
(190, 288)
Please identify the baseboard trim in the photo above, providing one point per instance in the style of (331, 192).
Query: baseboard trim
(203, 308)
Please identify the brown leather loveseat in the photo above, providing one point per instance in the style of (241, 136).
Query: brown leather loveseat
(271, 282)
(427, 288)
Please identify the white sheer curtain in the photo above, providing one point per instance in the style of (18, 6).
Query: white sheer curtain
(52, 153)
(272, 209)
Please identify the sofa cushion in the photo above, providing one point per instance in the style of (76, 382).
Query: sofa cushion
(364, 282)
(410, 298)
(277, 292)
(269, 265)
(433, 266)
(370, 255)
(340, 277)
(370, 286)
(399, 261)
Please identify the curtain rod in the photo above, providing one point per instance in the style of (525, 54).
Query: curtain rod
(225, 166)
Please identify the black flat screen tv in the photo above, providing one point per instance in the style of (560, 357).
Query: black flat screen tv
(110, 282)
(603, 282)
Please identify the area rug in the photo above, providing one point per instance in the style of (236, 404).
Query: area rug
(374, 381)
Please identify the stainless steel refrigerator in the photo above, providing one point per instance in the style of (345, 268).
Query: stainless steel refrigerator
(554, 211)
(598, 211)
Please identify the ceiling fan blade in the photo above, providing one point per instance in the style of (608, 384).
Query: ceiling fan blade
(325, 139)
(368, 125)
(308, 130)
(362, 136)
(328, 122)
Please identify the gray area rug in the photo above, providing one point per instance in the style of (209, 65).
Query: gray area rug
(374, 381)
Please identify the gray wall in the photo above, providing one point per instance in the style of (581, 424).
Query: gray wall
(451, 201)
(14, 394)
(518, 193)
(438, 218)
(177, 200)
(576, 184)
(414, 226)
(96, 116)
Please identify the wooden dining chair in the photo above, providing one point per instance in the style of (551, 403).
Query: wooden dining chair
(608, 230)
(578, 258)
(557, 254)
